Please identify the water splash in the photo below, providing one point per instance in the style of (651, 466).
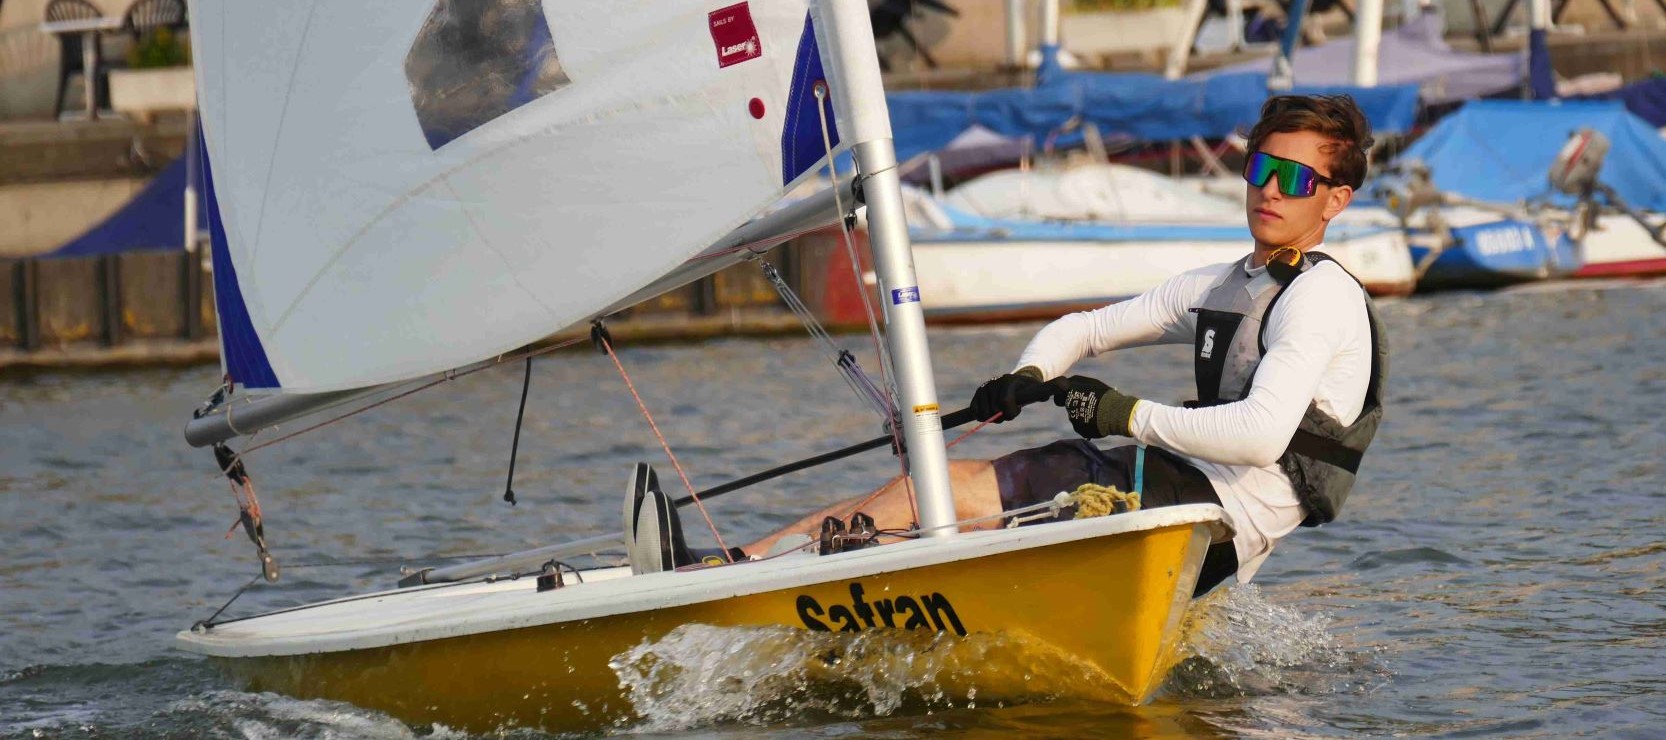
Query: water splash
(1237, 643)
(699, 675)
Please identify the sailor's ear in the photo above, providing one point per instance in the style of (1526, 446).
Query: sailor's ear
(1337, 199)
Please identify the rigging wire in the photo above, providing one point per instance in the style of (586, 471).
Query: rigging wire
(249, 513)
(893, 423)
(601, 338)
(848, 366)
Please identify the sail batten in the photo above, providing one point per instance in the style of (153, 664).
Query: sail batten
(410, 188)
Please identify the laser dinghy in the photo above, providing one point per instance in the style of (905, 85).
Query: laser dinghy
(403, 193)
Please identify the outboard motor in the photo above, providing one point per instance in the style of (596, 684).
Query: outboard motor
(1575, 170)
(1415, 191)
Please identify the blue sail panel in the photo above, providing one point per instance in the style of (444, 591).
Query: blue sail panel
(241, 351)
(801, 140)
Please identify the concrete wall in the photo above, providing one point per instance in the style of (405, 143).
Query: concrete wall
(101, 302)
(38, 217)
(57, 179)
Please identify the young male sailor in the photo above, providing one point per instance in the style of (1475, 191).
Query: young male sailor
(1288, 357)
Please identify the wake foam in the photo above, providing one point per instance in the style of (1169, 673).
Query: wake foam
(1237, 643)
(699, 675)
(1234, 643)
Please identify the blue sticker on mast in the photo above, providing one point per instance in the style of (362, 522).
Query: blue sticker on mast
(801, 142)
(900, 296)
(240, 347)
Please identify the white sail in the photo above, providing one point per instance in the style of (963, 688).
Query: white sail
(403, 188)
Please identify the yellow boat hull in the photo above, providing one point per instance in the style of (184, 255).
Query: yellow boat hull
(1108, 609)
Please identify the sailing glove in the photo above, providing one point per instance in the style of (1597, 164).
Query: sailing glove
(1001, 394)
(1095, 409)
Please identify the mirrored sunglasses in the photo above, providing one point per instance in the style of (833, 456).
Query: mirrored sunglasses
(1295, 179)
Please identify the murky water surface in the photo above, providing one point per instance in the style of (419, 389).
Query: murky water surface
(1498, 571)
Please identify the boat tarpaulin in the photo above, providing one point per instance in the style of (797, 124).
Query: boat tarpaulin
(1142, 106)
(1501, 150)
(1413, 54)
(153, 219)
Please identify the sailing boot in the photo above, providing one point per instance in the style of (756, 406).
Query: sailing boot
(654, 533)
(644, 544)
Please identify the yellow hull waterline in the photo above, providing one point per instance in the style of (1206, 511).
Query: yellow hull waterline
(1110, 606)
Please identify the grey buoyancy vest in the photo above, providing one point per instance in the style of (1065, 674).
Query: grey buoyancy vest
(1323, 456)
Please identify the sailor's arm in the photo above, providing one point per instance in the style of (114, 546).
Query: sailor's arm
(1158, 316)
(1305, 333)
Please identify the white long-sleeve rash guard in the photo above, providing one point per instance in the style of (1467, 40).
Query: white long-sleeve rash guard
(1318, 349)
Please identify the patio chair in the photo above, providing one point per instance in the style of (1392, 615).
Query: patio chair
(70, 46)
(149, 15)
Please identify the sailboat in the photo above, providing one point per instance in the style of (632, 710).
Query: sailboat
(398, 193)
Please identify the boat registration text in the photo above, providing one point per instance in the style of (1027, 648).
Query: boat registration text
(928, 611)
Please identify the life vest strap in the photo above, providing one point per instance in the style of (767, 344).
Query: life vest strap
(1310, 445)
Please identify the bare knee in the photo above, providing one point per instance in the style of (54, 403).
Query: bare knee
(975, 491)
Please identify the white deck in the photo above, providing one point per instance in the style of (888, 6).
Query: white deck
(436, 612)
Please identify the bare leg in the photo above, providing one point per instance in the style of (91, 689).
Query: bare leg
(975, 495)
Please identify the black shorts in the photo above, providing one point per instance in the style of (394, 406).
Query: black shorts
(1036, 475)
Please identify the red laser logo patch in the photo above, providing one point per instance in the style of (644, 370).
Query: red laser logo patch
(735, 35)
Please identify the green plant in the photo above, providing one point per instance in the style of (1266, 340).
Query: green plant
(159, 48)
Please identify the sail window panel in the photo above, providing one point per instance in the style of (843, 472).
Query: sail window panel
(475, 61)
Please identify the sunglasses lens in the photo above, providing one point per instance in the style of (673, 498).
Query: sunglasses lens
(1259, 168)
(1295, 179)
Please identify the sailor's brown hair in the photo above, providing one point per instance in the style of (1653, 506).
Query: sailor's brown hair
(1336, 117)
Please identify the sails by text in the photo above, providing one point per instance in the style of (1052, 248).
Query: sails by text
(735, 35)
(928, 611)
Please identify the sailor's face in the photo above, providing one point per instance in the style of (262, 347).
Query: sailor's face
(1279, 220)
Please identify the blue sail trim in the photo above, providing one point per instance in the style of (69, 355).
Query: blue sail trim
(240, 347)
(801, 142)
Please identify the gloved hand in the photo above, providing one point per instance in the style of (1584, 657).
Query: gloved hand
(1000, 394)
(1095, 409)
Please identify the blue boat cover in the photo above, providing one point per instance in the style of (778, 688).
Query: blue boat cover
(1143, 106)
(1501, 150)
(153, 219)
